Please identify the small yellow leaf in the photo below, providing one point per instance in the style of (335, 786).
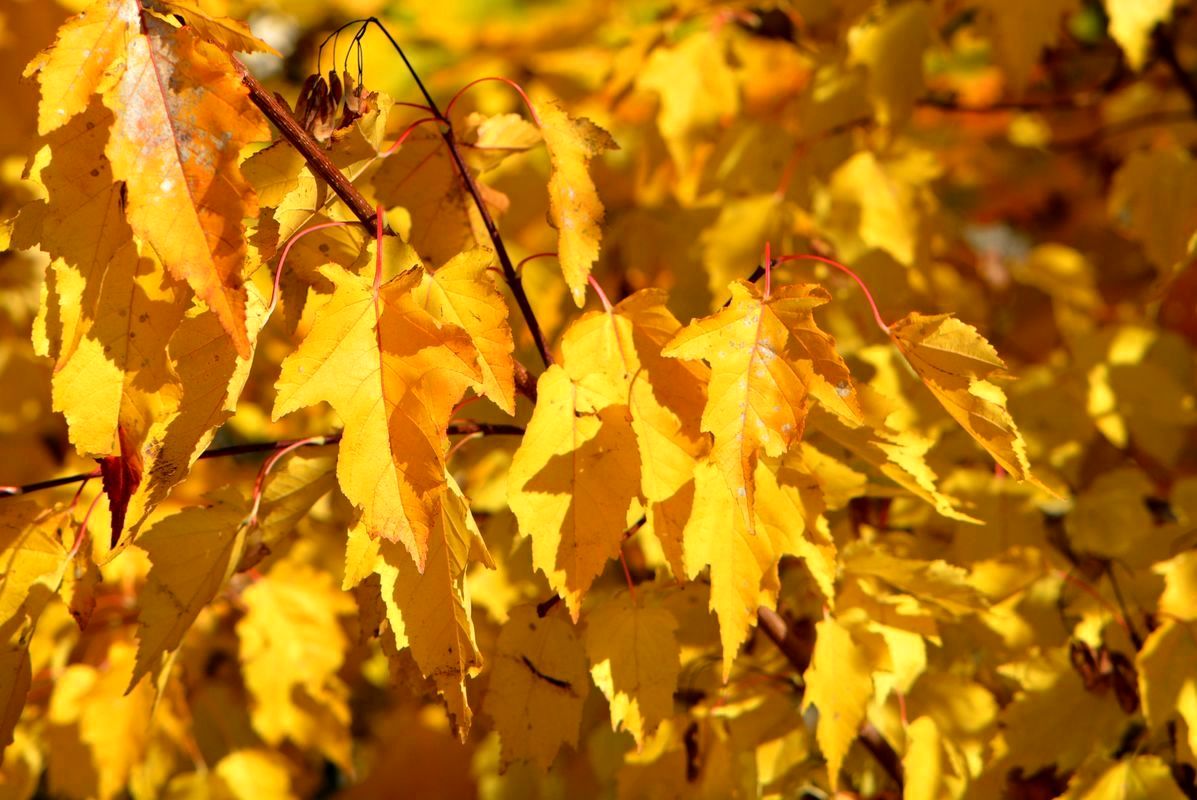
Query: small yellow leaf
(1168, 676)
(574, 206)
(233, 35)
(1136, 778)
(953, 360)
(892, 47)
(1131, 23)
(634, 662)
(839, 684)
(537, 687)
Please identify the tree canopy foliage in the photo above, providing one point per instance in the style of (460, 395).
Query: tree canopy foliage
(591, 399)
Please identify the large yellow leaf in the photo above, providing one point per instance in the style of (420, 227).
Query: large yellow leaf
(537, 686)
(182, 117)
(463, 293)
(1136, 778)
(1168, 676)
(572, 484)
(393, 373)
(430, 612)
(292, 645)
(892, 47)
(615, 358)
(953, 360)
(192, 555)
(743, 562)
(767, 358)
(574, 206)
(1154, 197)
(83, 59)
(634, 662)
(839, 684)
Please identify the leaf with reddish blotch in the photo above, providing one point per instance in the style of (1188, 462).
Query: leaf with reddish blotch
(121, 475)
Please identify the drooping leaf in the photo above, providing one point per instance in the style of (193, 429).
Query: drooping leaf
(767, 358)
(572, 485)
(192, 555)
(1168, 676)
(393, 373)
(574, 206)
(430, 612)
(233, 35)
(182, 117)
(634, 662)
(539, 663)
(953, 360)
(839, 684)
(1131, 23)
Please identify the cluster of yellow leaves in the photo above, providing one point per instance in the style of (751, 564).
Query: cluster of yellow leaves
(837, 570)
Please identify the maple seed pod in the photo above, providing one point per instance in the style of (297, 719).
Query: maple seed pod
(353, 96)
(335, 89)
(316, 102)
(305, 94)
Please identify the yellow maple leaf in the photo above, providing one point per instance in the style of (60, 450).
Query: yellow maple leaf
(231, 34)
(767, 357)
(953, 361)
(182, 117)
(192, 555)
(572, 485)
(81, 60)
(539, 664)
(1154, 198)
(634, 662)
(1167, 666)
(1139, 777)
(463, 293)
(892, 47)
(574, 206)
(292, 645)
(393, 373)
(743, 561)
(430, 612)
(839, 684)
(91, 714)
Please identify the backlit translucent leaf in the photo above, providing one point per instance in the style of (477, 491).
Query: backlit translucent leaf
(839, 684)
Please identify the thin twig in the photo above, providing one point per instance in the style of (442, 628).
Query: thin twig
(307, 147)
(492, 230)
(455, 429)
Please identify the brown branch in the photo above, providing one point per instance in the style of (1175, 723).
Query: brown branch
(797, 644)
(455, 429)
(307, 147)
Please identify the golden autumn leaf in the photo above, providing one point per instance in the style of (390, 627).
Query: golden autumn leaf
(430, 611)
(463, 293)
(393, 373)
(954, 361)
(192, 554)
(575, 209)
(767, 359)
(1168, 676)
(233, 35)
(1131, 23)
(539, 663)
(82, 59)
(292, 644)
(1137, 778)
(634, 662)
(181, 120)
(572, 485)
(743, 561)
(839, 684)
